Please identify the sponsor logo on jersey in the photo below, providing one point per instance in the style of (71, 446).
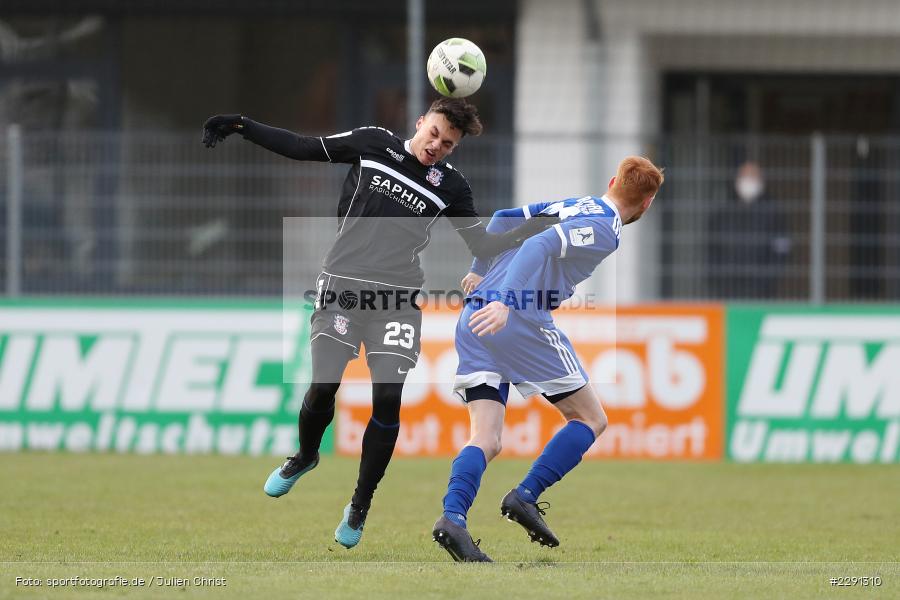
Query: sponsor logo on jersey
(584, 206)
(398, 193)
(589, 206)
(581, 236)
(341, 323)
(395, 155)
(434, 176)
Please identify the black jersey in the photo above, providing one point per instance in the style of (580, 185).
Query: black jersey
(388, 204)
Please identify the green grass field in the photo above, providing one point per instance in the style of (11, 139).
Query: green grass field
(628, 530)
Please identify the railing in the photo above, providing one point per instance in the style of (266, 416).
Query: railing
(113, 213)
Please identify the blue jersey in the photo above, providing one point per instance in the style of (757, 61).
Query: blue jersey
(539, 275)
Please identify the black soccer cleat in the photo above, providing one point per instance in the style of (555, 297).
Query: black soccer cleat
(528, 515)
(457, 542)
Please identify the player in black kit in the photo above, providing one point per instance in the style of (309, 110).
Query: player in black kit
(393, 194)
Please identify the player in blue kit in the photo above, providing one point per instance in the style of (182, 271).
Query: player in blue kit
(506, 334)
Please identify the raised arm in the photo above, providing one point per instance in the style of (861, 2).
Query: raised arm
(486, 245)
(281, 141)
(502, 221)
(528, 260)
(507, 219)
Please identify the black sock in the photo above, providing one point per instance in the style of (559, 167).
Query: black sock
(377, 447)
(313, 423)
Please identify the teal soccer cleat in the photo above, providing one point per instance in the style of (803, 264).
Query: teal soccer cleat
(284, 477)
(350, 530)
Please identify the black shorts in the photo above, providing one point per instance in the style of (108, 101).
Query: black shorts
(384, 318)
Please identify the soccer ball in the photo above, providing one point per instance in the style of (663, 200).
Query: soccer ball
(456, 68)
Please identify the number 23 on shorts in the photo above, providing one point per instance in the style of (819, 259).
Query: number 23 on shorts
(399, 334)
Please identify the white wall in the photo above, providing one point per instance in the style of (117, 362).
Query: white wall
(551, 102)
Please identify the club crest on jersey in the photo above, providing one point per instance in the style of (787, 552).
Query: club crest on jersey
(434, 176)
(341, 323)
(581, 236)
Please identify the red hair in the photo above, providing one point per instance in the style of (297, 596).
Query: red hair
(636, 180)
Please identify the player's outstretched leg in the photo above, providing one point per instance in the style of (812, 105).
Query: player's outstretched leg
(379, 439)
(312, 427)
(586, 421)
(329, 359)
(486, 418)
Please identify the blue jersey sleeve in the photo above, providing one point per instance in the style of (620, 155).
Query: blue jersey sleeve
(585, 239)
(528, 260)
(506, 219)
(532, 209)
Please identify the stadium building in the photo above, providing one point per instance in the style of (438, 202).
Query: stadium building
(701, 86)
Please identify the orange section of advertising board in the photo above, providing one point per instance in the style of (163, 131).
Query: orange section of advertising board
(657, 370)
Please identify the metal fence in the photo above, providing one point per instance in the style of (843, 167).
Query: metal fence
(114, 213)
(824, 228)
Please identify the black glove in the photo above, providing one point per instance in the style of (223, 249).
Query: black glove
(492, 244)
(536, 224)
(219, 127)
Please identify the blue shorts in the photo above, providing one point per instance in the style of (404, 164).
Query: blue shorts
(536, 357)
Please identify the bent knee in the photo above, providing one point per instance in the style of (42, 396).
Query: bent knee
(596, 420)
(320, 395)
(599, 426)
(489, 444)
